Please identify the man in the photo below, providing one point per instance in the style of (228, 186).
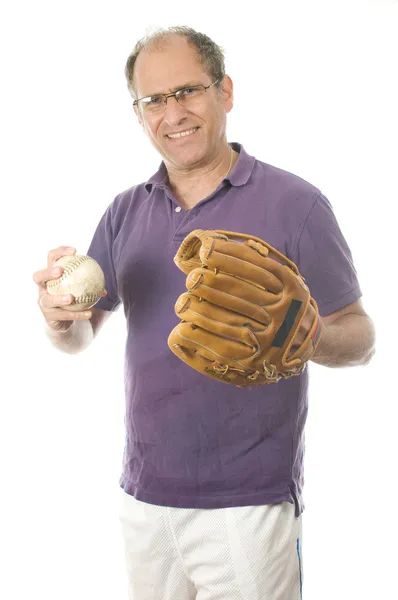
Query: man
(213, 473)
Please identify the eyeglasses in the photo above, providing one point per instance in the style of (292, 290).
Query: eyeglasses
(186, 97)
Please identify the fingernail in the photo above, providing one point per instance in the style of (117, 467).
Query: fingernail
(65, 299)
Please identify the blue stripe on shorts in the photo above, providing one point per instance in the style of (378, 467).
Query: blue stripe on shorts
(299, 558)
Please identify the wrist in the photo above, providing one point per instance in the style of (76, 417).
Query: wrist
(63, 329)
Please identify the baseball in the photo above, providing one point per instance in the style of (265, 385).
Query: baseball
(82, 277)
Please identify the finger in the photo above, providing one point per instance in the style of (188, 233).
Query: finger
(243, 261)
(49, 301)
(58, 314)
(41, 300)
(41, 277)
(57, 253)
(231, 293)
(65, 315)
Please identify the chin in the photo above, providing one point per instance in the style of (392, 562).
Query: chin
(185, 158)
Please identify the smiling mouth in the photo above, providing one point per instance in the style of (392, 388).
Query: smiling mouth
(174, 136)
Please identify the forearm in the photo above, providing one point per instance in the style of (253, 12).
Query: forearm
(347, 342)
(73, 341)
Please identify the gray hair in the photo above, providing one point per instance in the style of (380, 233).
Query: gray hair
(209, 53)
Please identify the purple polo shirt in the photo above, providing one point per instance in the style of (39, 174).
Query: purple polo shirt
(192, 441)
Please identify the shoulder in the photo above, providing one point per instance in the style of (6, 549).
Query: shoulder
(286, 197)
(126, 204)
(285, 186)
(129, 197)
(270, 182)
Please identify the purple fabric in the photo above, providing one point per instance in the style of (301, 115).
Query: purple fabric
(192, 441)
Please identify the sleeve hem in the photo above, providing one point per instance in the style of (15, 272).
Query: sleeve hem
(327, 308)
(109, 306)
(301, 227)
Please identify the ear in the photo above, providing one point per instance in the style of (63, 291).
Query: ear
(137, 112)
(140, 121)
(227, 89)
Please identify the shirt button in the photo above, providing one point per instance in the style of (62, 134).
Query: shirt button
(178, 209)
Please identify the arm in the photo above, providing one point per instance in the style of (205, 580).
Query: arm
(73, 340)
(347, 339)
(325, 260)
(80, 335)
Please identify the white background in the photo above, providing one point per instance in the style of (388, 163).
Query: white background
(326, 74)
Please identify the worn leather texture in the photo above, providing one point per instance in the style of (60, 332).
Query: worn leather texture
(244, 304)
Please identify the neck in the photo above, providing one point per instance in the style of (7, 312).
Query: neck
(190, 187)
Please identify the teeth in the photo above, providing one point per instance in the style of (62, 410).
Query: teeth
(182, 134)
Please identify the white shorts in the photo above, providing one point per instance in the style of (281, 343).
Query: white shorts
(238, 553)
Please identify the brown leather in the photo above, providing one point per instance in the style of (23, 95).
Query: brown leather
(244, 305)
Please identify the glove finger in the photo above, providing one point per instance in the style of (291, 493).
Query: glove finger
(217, 320)
(243, 261)
(187, 257)
(231, 293)
(191, 340)
(213, 311)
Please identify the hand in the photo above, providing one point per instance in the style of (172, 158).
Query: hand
(57, 318)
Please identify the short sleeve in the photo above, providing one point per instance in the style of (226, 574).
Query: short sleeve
(325, 260)
(101, 249)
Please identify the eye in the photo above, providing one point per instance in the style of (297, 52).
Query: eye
(154, 100)
(190, 91)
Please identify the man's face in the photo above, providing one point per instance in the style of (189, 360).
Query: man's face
(174, 67)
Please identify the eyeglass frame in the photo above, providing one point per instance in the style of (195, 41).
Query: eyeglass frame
(166, 96)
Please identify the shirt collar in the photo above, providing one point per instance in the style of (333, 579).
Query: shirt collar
(238, 176)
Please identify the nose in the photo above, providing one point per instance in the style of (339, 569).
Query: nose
(174, 112)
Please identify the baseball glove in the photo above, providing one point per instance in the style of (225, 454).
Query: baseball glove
(244, 306)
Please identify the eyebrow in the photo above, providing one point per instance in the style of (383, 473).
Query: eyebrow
(175, 89)
(181, 87)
